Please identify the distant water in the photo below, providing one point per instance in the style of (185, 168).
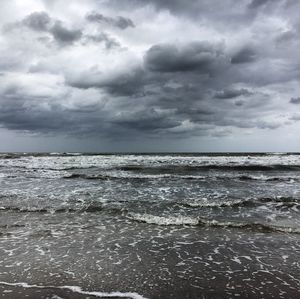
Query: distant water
(152, 224)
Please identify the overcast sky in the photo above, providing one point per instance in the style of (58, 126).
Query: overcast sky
(155, 75)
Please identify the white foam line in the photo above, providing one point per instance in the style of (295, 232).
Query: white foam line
(76, 289)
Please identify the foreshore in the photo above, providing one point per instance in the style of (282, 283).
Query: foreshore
(150, 261)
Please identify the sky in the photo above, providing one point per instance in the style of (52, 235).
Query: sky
(155, 75)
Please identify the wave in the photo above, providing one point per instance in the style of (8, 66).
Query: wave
(76, 289)
(130, 177)
(197, 221)
(23, 210)
(64, 154)
(279, 201)
(16, 225)
(10, 156)
(142, 176)
(89, 177)
(117, 206)
(51, 168)
(253, 226)
(55, 173)
(91, 208)
(265, 178)
(220, 204)
(163, 220)
(224, 167)
(87, 209)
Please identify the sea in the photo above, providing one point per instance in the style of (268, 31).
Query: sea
(171, 225)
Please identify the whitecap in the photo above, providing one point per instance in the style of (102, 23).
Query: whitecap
(163, 220)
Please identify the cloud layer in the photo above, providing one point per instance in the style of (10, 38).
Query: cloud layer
(158, 70)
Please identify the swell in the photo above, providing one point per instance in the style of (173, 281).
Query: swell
(37, 155)
(16, 225)
(214, 204)
(252, 226)
(34, 210)
(265, 178)
(175, 169)
(279, 201)
(91, 208)
(181, 177)
(51, 168)
(87, 209)
(130, 177)
(197, 221)
(89, 177)
(10, 156)
(224, 167)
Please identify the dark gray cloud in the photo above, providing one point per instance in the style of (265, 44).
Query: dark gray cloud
(216, 13)
(120, 22)
(102, 37)
(64, 35)
(42, 22)
(245, 55)
(45, 113)
(39, 21)
(195, 56)
(232, 93)
(125, 83)
(295, 100)
(257, 3)
(148, 120)
(179, 7)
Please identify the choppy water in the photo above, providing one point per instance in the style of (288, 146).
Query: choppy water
(148, 223)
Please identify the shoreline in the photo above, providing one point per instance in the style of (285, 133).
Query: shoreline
(164, 262)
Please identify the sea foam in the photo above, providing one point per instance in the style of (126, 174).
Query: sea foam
(77, 289)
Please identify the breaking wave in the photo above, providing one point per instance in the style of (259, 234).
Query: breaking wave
(197, 221)
(279, 201)
(163, 220)
(220, 204)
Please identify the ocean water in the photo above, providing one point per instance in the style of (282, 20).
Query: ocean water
(150, 226)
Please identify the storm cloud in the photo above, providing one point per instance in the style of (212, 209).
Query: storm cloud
(63, 34)
(150, 70)
(194, 56)
(244, 55)
(119, 21)
(39, 21)
(232, 93)
(295, 100)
